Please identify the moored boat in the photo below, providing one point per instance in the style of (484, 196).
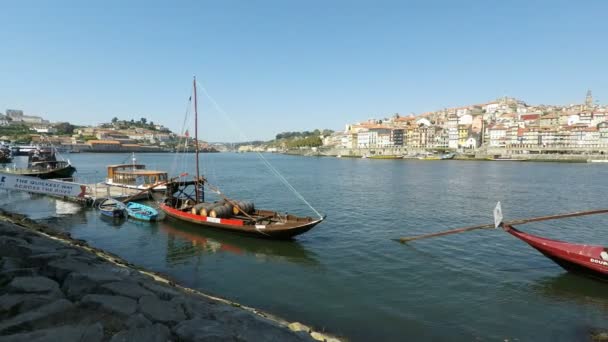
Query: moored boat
(43, 163)
(447, 156)
(141, 212)
(385, 156)
(590, 260)
(585, 259)
(113, 208)
(136, 176)
(185, 201)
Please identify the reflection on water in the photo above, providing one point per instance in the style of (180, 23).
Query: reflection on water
(185, 241)
(574, 288)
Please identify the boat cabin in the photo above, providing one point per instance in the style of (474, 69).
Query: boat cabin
(135, 175)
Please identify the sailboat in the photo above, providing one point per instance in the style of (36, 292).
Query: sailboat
(185, 201)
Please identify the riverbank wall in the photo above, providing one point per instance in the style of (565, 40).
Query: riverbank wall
(486, 154)
(56, 288)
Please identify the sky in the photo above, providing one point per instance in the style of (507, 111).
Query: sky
(269, 66)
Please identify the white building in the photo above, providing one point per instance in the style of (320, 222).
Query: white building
(453, 136)
(363, 139)
(573, 119)
(466, 119)
(462, 111)
(491, 107)
(498, 136)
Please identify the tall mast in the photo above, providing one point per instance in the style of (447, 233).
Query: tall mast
(196, 140)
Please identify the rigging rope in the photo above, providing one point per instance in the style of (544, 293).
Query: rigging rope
(184, 160)
(262, 158)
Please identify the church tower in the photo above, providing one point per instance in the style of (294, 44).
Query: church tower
(589, 100)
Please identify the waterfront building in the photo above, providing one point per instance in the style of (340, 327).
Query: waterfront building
(586, 118)
(104, 145)
(363, 138)
(380, 137)
(463, 134)
(397, 136)
(452, 131)
(551, 119)
(498, 135)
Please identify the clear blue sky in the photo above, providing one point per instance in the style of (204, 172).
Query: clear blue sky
(294, 65)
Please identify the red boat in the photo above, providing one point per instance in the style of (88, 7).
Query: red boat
(577, 258)
(185, 201)
(584, 259)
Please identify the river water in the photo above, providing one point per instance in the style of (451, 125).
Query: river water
(347, 275)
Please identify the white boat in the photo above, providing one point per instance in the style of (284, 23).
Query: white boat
(135, 176)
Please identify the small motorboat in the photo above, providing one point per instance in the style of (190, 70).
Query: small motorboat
(113, 208)
(141, 212)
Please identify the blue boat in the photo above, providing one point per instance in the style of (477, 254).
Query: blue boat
(141, 212)
(113, 208)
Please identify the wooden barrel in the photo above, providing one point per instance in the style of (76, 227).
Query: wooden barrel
(206, 208)
(221, 211)
(197, 208)
(229, 206)
(245, 206)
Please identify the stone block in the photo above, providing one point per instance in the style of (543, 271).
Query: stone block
(127, 289)
(27, 319)
(116, 304)
(34, 284)
(163, 291)
(155, 333)
(66, 333)
(158, 310)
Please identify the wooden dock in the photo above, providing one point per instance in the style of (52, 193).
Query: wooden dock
(97, 192)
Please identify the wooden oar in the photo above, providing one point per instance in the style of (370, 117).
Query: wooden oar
(492, 225)
(152, 187)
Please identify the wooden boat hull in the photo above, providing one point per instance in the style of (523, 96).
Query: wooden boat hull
(113, 208)
(114, 213)
(271, 231)
(584, 259)
(141, 212)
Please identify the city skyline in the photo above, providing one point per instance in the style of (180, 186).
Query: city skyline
(278, 67)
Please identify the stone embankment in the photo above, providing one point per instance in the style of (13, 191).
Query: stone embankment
(55, 288)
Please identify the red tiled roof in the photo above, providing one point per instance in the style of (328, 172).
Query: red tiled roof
(530, 117)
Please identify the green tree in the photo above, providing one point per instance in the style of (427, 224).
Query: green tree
(114, 120)
(64, 128)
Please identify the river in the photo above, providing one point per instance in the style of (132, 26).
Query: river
(347, 275)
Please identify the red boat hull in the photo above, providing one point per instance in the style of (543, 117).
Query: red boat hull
(280, 232)
(577, 258)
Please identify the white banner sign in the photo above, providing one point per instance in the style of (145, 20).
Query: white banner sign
(10, 181)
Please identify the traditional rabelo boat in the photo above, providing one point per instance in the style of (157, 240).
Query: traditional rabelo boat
(589, 260)
(585, 259)
(135, 176)
(185, 201)
(43, 163)
(577, 258)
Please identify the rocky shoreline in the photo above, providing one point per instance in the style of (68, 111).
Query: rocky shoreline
(56, 288)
